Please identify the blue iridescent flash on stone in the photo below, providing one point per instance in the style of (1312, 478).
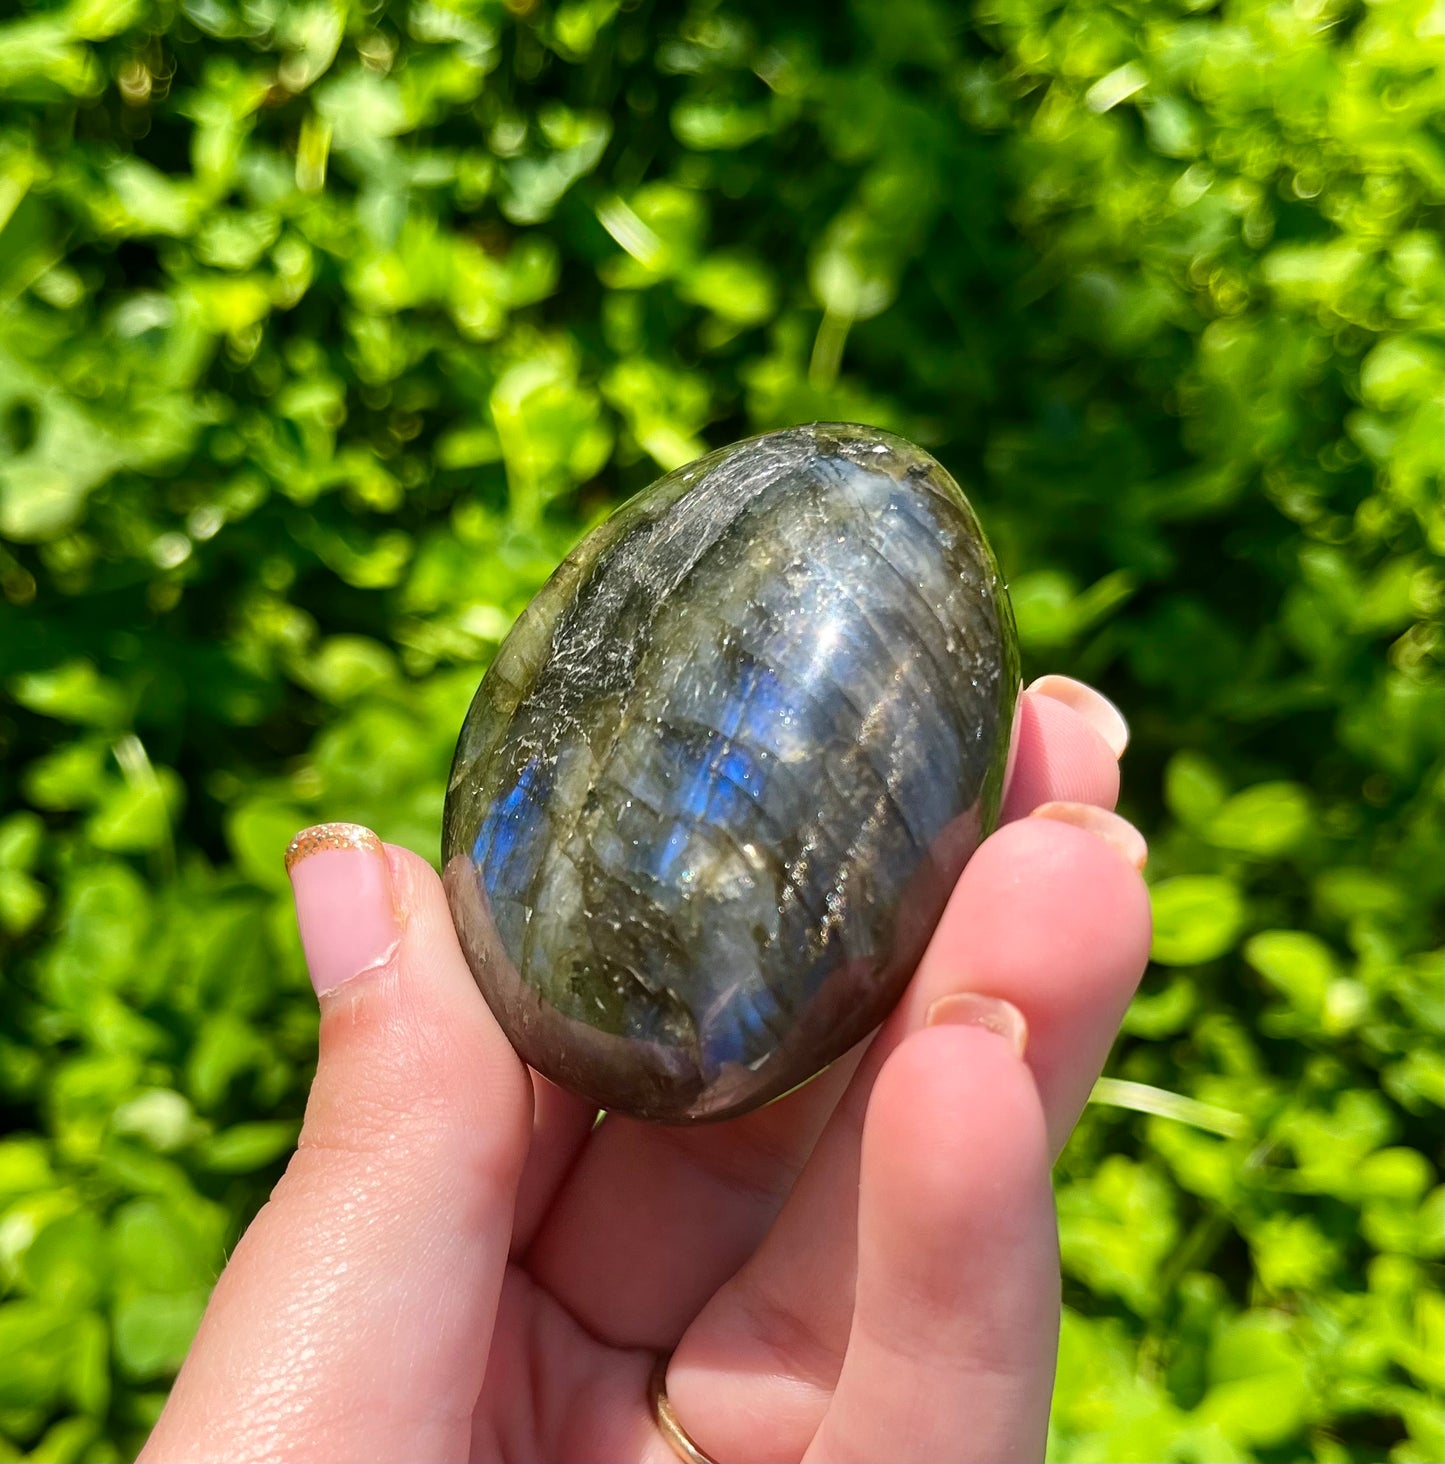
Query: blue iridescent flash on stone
(715, 789)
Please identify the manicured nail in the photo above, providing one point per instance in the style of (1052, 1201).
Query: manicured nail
(1093, 706)
(342, 884)
(1108, 826)
(973, 1009)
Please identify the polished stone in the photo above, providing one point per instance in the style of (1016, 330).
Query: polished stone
(714, 791)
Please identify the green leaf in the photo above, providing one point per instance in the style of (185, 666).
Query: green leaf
(73, 692)
(71, 777)
(733, 286)
(1400, 370)
(137, 815)
(21, 836)
(160, 1247)
(22, 901)
(1116, 1230)
(67, 1441)
(159, 1117)
(1292, 1254)
(1197, 918)
(1265, 821)
(107, 912)
(258, 832)
(346, 667)
(1296, 963)
(707, 126)
(1193, 788)
(1258, 1393)
(1052, 613)
(248, 1146)
(153, 1331)
(226, 1047)
(24, 1166)
(65, 1264)
(36, 1339)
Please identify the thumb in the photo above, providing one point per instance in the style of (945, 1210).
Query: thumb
(355, 1317)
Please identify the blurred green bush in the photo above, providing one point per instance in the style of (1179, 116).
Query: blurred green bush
(326, 327)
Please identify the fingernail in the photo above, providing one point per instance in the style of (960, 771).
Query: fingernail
(342, 885)
(972, 1009)
(1093, 706)
(1108, 826)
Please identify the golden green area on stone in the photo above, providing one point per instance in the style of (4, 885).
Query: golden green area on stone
(713, 793)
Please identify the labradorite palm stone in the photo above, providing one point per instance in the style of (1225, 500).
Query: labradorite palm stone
(715, 789)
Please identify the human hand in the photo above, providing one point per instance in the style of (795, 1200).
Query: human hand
(458, 1264)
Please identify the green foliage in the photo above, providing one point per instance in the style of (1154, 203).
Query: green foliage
(326, 327)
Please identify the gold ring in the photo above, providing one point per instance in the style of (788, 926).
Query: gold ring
(666, 1419)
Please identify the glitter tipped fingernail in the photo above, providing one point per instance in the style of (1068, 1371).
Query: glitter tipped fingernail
(342, 884)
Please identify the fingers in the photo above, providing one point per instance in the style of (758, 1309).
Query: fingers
(650, 1222)
(1052, 918)
(1060, 753)
(951, 1351)
(354, 1318)
(1091, 704)
(1119, 832)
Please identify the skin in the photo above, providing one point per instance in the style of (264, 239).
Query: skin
(457, 1264)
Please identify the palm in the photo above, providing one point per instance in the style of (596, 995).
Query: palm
(624, 1236)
